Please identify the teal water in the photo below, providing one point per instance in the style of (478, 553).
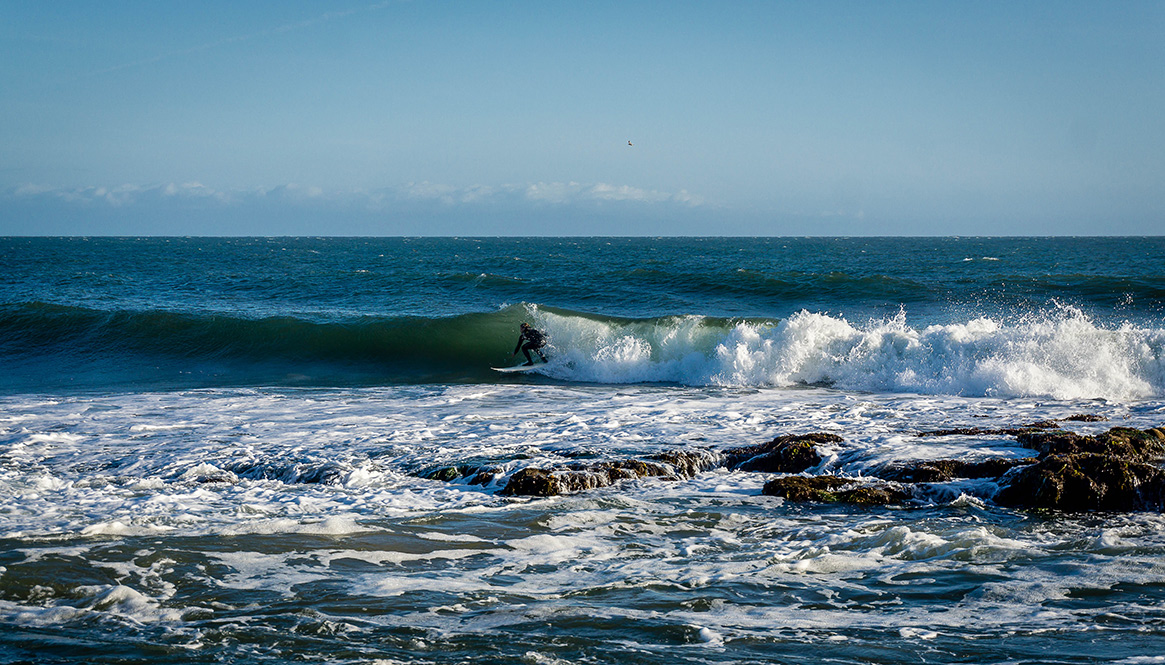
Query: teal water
(192, 312)
(220, 450)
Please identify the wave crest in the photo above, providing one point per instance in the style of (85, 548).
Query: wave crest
(1062, 354)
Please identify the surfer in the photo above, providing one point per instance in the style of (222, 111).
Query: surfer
(530, 339)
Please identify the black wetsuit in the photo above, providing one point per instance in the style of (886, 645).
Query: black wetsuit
(531, 340)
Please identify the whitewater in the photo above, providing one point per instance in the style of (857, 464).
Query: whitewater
(255, 450)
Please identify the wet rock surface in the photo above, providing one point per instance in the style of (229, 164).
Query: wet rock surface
(784, 454)
(1117, 470)
(1085, 481)
(834, 489)
(1123, 442)
(940, 471)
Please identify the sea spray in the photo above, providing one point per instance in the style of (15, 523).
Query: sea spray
(1061, 354)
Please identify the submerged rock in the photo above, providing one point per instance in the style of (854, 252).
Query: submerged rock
(833, 489)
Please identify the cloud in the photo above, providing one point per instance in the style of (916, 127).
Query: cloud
(538, 194)
(420, 208)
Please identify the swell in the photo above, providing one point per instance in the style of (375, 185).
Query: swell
(219, 347)
(793, 286)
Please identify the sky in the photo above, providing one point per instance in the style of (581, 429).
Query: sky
(441, 117)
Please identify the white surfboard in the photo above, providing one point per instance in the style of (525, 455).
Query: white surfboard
(516, 368)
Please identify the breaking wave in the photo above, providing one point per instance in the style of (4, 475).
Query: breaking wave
(1060, 353)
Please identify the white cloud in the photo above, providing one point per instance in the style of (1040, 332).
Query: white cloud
(559, 194)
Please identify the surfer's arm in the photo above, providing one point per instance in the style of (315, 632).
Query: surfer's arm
(517, 348)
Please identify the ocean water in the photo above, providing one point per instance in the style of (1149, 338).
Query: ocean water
(217, 450)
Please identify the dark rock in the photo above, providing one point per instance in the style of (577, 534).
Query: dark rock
(938, 471)
(474, 475)
(1125, 443)
(1085, 481)
(577, 478)
(999, 431)
(832, 489)
(784, 454)
(806, 488)
(1085, 418)
(687, 463)
(540, 482)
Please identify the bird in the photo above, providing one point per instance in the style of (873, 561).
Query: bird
(629, 143)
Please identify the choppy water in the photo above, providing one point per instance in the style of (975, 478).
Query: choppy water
(213, 450)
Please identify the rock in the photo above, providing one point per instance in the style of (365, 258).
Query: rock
(832, 489)
(576, 478)
(1085, 418)
(784, 454)
(1124, 443)
(938, 471)
(540, 482)
(687, 463)
(474, 475)
(1085, 481)
(980, 431)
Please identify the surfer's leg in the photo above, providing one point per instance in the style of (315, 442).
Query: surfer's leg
(526, 350)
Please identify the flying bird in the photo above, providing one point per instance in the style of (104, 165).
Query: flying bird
(628, 143)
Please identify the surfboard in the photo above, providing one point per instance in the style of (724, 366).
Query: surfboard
(516, 368)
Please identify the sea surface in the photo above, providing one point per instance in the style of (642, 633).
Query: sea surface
(218, 450)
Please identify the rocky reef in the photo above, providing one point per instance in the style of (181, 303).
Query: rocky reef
(1117, 470)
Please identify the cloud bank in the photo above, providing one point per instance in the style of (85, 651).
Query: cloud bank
(418, 208)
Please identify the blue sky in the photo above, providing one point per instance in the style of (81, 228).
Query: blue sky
(513, 118)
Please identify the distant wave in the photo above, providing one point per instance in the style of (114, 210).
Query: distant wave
(781, 286)
(1059, 353)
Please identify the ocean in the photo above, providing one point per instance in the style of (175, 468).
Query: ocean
(238, 450)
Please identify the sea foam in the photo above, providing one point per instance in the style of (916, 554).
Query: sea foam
(1061, 354)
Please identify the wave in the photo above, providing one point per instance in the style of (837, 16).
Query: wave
(1060, 353)
(160, 346)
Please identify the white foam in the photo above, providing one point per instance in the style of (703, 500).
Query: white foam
(1061, 354)
(463, 560)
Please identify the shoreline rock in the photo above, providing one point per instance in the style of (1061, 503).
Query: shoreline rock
(939, 471)
(1080, 482)
(835, 489)
(784, 454)
(1117, 470)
